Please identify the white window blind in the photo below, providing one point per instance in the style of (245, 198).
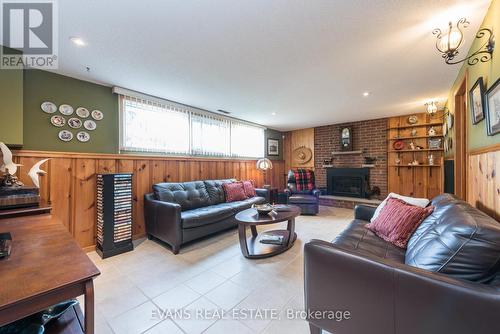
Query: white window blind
(163, 127)
(153, 127)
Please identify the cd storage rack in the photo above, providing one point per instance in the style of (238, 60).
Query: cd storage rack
(114, 214)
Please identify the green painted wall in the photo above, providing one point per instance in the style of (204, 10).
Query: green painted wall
(11, 107)
(274, 134)
(40, 134)
(490, 72)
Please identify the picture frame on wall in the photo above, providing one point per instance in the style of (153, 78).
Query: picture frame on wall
(492, 109)
(273, 148)
(476, 99)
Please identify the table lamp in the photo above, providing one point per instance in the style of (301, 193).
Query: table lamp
(264, 164)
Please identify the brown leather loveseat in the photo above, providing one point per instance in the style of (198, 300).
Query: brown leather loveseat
(446, 281)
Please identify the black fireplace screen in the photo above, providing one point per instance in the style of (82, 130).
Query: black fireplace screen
(350, 182)
(347, 185)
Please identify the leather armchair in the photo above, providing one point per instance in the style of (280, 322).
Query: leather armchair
(307, 200)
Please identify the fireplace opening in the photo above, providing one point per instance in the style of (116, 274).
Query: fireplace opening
(348, 182)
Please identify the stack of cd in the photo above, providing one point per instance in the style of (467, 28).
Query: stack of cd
(114, 214)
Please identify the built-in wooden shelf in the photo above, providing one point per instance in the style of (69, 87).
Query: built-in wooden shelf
(416, 137)
(418, 125)
(410, 166)
(416, 151)
(346, 152)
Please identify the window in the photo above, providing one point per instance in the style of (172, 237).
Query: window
(167, 127)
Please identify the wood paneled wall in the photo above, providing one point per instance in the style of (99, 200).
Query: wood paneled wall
(70, 185)
(293, 140)
(483, 186)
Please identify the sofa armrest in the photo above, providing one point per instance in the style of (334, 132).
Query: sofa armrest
(316, 192)
(261, 192)
(364, 212)
(163, 220)
(384, 296)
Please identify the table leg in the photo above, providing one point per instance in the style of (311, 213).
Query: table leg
(254, 231)
(291, 230)
(243, 239)
(89, 307)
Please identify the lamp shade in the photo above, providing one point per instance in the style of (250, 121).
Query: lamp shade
(264, 164)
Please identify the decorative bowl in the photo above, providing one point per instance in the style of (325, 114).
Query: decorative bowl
(263, 209)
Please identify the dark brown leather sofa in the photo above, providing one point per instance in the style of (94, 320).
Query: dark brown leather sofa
(177, 213)
(447, 280)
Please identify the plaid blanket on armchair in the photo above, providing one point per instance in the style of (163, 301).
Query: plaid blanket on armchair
(304, 179)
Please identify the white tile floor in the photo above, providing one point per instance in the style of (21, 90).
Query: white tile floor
(134, 288)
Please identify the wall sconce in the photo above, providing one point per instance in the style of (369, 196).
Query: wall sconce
(448, 42)
(431, 107)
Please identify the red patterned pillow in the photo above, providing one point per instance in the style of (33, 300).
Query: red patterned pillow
(249, 189)
(398, 220)
(234, 191)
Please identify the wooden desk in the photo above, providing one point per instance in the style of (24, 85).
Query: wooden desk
(46, 266)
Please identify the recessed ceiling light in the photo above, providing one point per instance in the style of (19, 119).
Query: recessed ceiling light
(78, 41)
(273, 113)
(365, 94)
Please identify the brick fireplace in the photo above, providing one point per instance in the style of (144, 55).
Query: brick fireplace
(368, 136)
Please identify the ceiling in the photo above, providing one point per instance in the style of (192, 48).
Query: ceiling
(307, 61)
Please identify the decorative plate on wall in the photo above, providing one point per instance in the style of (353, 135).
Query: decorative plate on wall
(82, 112)
(89, 125)
(75, 123)
(413, 119)
(449, 120)
(302, 155)
(97, 115)
(48, 107)
(398, 145)
(66, 109)
(83, 136)
(65, 135)
(57, 120)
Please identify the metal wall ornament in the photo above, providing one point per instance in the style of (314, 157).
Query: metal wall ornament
(449, 41)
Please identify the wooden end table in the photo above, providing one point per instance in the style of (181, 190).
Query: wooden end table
(251, 247)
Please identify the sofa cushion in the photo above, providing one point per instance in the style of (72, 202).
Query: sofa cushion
(234, 191)
(215, 190)
(357, 238)
(247, 203)
(204, 216)
(456, 240)
(397, 221)
(302, 199)
(189, 195)
(249, 189)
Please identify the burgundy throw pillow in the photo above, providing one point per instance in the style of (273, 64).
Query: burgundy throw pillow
(398, 220)
(249, 189)
(234, 191)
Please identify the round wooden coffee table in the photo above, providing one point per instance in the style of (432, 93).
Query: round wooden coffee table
(251, 247)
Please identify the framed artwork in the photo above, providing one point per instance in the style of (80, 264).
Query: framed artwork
(492, 109)
(346, 138)
(476, 98)
(273, 147)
